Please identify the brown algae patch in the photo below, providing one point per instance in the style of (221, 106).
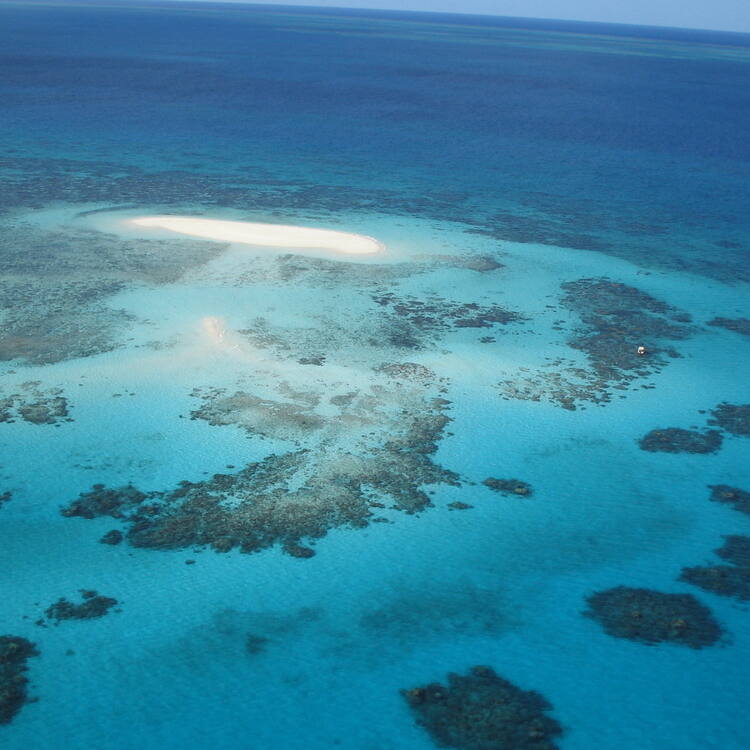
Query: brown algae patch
(652, 617)
(725, 580)
(483, 711)
(14, 653)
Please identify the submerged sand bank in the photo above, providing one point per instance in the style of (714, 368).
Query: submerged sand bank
(266, 235)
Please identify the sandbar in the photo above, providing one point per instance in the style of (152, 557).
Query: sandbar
(264, 235)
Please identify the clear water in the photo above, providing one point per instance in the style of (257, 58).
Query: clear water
(561, 151)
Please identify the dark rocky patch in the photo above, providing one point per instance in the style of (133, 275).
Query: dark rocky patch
(112, 537)
(726, 580)
(256, 644)
(298, 550)
(732, 418)
(4, 497)
(509, 486)
(723, 493)
(679, 440)
(738, 325)
(652, 617)
(319, 361)
(736, 550)
(93, 605)
(14, 653)
(483, 711)
(457, 505)
(102, 501)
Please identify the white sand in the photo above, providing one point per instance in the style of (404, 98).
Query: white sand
(266, 235)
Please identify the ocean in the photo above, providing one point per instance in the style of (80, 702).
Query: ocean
(260, 496)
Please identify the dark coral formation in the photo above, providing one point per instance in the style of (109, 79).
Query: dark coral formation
(458, 505)
(726, 580)
(483, 711)
(679, 440)
(509, 486)
(4, 497)
(93, 605)
(615, 319)
(14, 652)
(738, 325)
(652, 617)
(413, 321)
(34, 405)
(264, 504)
(739, 499)
(112, 537)
(734, 418)
(103, 501)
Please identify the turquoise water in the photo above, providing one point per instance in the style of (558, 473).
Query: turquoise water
(517, 173)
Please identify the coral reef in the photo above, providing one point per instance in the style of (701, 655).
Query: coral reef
(284, 499)
(652, 617)
(733, 418)
(723, 493)
(101, 501)
(679, 440)
(738, 325)
(92, 605)
(509, 486)
(14, 652)
(483, 711)
(412, 323)
(725, 580)
(34, 405)
(112, 537)
(615, 319)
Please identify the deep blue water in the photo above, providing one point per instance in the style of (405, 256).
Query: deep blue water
(560, 151)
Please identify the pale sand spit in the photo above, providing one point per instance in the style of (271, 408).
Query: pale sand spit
(265, 235)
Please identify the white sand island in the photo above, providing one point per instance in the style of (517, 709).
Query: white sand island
(264, 235)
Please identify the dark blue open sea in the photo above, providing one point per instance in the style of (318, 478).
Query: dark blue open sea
(261, 491)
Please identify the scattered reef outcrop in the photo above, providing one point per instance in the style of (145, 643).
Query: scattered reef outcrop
(509, 486)
(726, 580)
(734, 496)
(483, 711)
(14, 653)
(652, 617)
(92, 605)
(292, 497)
(738, 325)
(4, 497)
(679, 440)
(34, 405)
(614, 320)
(734, 418)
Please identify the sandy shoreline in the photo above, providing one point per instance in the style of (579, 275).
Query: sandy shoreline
(265, 235)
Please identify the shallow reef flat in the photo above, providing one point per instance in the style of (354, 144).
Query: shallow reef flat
(317, 421)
